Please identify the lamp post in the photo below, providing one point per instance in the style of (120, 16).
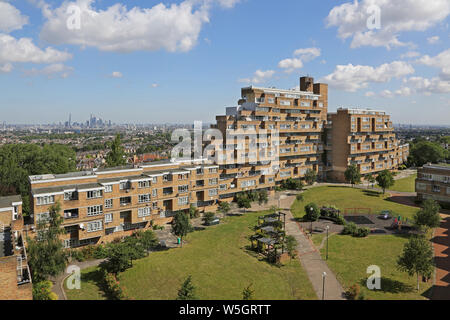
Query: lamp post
(324, 274)
(328, 227)
(311, 219)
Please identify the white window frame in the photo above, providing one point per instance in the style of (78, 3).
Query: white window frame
(94, 210)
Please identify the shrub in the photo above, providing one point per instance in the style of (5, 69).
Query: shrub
(100, 252)
(353, 292)
(299, 197)
(208, 217)
(112, 288)
(77, 255)
(312, 212)
(350, 228)
(340, 220)
(43, 291)
(361, 232)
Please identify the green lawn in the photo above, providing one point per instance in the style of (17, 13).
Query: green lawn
(219, 264)
(405, 184)
(349, 258)
(347, 197)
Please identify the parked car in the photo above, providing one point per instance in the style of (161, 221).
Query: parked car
(385, 215)
(213, 222)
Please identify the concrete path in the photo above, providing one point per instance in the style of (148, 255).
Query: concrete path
(441, 246)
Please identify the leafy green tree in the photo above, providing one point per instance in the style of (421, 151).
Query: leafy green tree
(243, 201)
(46, 256)
(352, 174)
(291, 245)
(428, 215)
(181, 225)
(187, 290)
(42, 290)
(135, 248)
(117, 258)
(312, 212)
(310, 176)
(292, 184)
(417, 258)
(423, 152)
(262, 197)
(116, 157)
(370, 179)
(385, 180)
(224, 207)
(247, 293)
(193, 211)
(208, 217)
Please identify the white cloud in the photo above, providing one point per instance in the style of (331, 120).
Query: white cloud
(23, 50)
(369, 94)
(433, 40)
(300, 56)
(11, 18)
(395, 17)
(352, 78)
(51, 71)
(116, 74)
(155, 85)
(6, 68)
(440, 61)
(172, 28)
(386, 94)
(228, 3)
(259, 76)
(410, 54)
(427, 86)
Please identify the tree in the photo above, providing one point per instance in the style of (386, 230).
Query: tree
(385, 179)
(46, 256)
(117, 258)
(208, 217)
(310, 176)
(181, 225)
(262, 197)
(291, 245)
(417, 258)
(370, 179)
(116, 157)
(423, 152)
(43, 291)
(352, 174)
(243, 201)
(148, 239)
(134, 247)
(428, 216)
(312, 212)
(247, 294)
(187, 290)
(193, 211)
(224, 207)
(292, 184)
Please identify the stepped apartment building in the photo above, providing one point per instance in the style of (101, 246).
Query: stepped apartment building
(362, 137)
(270, 136)
(433, 182)
(15, 279)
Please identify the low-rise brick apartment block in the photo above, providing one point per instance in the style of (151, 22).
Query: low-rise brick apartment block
(15, 280)
(433, 182)
(99, 205)
(362, 137)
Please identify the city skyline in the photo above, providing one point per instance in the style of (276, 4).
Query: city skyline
(51, 71)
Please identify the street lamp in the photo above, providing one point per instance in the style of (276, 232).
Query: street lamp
(311, 219)
(324, 274)
(328, 227)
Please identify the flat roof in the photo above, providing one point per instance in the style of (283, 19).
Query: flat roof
(442, 166)
(293, 91)
(7, 201)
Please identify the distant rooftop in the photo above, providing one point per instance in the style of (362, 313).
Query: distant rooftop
(362, 111)
(289, 91)
(437, 165)
(43, 177)
(6, 202)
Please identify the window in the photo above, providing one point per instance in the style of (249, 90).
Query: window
(183, 176)
(154, 179)
(270, 100)
(144, 198)
(320, 104)
(94, 226)
(436, 189)
(144, 184)
(223, 187)
(108, 188)
(94, 210)
(70, 243)
(167, 177)
(124, 185)
(125, 201)
(70, 195)
(213, 181)
(155, 205)
(305, 104)
(200, 171)
(43, 217)
(183, 200)
(94, 194)
(45, 200)
(108, 203)
(183, 189)
(108, 217)
(285, 103)
(212, 192)
(144, 212)
(154, 192)
(421, 186)
(448, 190)
(213, 170)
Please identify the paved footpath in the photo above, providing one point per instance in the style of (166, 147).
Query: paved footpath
(441, 244)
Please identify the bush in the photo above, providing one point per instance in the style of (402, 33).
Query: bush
(43, 291)
(352, 292)
(100, 252)
(361, 232)
(112, 288)
(340, 220)
(299, 197)
(350, 228)
(292, 184)
(76, 255)
(208, 217)
(312, 212)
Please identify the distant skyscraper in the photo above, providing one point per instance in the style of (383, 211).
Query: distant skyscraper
(70, 120)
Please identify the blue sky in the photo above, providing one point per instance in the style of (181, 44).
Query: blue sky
(180, 61)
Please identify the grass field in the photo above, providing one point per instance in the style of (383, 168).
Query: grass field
(219, 264)
(404, 184)
(347, 197)
(349, 258)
